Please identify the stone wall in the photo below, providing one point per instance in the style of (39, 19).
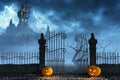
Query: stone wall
(110, 68)
(16, 69)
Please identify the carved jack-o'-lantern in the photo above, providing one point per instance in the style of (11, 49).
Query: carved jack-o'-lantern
(94, 71)
(47, 71)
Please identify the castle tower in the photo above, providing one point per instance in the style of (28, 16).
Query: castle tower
(24, 33)
(23, 14)
(47, 34)
(10, 22)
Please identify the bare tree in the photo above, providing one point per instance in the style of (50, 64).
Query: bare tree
(80, 38)
(105, 46)
(77, 50)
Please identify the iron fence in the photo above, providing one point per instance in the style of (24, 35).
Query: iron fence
(19, 57)
(108, 58)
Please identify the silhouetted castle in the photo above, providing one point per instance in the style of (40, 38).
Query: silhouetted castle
(21, 34)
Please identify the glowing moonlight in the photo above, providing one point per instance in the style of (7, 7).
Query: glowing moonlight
(47, 71)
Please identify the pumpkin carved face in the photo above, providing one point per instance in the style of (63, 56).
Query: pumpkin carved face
(94, 71)
(47, 71)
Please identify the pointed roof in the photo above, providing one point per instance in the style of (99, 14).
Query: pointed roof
(10, 22)
(47, 34)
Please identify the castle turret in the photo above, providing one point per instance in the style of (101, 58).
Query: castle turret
(11, 29)
(23, 14)
(47, 34)
(10, 22)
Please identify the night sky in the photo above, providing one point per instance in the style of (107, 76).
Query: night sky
(73, 16)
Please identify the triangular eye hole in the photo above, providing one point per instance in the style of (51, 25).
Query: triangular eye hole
(90, 69)
(45, 70)
(94, 70)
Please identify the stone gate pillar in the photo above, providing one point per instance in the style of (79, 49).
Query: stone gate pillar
(92, 48)
(42, 43)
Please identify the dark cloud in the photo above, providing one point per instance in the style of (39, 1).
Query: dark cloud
(69, 11)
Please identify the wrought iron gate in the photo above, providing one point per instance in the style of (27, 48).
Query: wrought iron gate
(55, 50)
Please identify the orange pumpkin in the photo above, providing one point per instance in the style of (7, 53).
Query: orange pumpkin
(47, 71)
(94, 71)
